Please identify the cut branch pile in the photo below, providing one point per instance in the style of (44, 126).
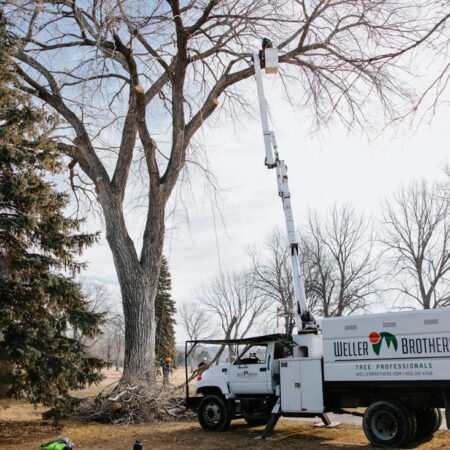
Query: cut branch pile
(134, 405)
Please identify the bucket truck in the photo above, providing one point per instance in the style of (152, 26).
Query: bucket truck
(396, 365)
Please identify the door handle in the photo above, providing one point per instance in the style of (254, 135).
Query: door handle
(262, 369)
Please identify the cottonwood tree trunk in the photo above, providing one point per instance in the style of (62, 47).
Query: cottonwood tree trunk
(138, 279)
(138, 306)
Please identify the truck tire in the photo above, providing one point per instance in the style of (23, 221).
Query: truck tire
(438, 416)
(213, 413)
(388, 424)
(428, 421)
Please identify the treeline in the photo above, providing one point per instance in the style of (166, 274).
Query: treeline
(349, 263)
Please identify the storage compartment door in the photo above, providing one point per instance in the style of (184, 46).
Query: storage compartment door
(290, 386)
(311, 385)
(301, 385)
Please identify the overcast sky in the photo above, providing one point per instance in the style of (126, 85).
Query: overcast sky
(333, 166)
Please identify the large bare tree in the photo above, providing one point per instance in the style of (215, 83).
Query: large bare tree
(109, 345)
(271, 275)
(339, 262)
(195, 321)
(197, 324)
(417, 236)
(232, 298)
(132, 81)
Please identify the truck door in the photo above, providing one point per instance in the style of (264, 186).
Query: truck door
(250, 373)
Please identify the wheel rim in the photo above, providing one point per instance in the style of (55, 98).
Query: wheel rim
(212, 414)
(384, 425)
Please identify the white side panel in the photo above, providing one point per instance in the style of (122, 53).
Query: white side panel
(389, 370)
(311, 376)
(312, 341)
(290, 385)
(412, 345)
(301, 385)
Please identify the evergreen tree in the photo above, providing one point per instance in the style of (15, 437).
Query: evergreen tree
(165, 316)
(40, 302)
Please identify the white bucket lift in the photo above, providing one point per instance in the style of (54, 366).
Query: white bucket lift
(267, 58)
(271, 60)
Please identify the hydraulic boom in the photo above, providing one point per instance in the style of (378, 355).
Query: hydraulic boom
(302, 316)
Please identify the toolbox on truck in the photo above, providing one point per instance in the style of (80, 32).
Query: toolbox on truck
(301, 385)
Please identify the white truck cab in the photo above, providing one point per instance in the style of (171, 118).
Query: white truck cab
(255, 370)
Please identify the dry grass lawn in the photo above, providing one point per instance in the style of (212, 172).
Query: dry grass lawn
(288, 435)
(21, 427)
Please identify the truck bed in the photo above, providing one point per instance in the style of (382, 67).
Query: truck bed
(403, 355)
(401, 346)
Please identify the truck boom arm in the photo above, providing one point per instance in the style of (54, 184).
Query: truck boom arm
(302, 316)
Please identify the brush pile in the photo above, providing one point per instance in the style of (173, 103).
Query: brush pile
(135, 404)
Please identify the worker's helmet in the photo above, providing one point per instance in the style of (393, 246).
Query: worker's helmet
(266, 43)
(168, 359)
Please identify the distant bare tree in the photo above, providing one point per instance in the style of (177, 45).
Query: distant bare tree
(233, 295)
(268, 324)
(445, 185)
(337, 256)
(271, 276)
(117, 329)
(417, 238)
(110, 344)
(99, 300)
(195, 320)
(197, 324)
(98, 295)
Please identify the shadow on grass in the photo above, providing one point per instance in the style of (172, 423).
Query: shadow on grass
(241, 435)
(18, 432)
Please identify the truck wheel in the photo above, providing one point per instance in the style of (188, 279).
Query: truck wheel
(428, 421)
(388, 424)
(213, 414)
(438, 416)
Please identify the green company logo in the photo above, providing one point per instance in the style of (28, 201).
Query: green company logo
(377, 340)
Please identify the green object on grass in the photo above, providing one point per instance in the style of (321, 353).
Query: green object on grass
(59, 444)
